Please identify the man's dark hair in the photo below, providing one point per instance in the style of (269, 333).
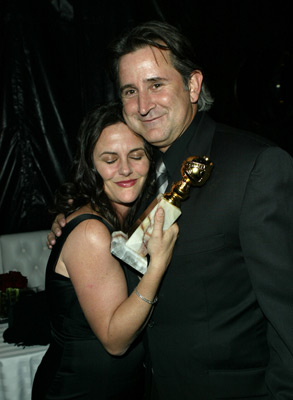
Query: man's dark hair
(165, 37)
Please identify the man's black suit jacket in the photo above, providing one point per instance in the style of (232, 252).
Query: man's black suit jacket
(223, 325)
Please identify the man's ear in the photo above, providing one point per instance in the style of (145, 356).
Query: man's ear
(194, 85)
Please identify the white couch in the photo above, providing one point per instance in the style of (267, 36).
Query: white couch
(27, 253)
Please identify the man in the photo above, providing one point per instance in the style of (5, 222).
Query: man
(223, 325)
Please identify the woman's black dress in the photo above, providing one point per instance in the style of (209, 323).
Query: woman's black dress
(76, 365)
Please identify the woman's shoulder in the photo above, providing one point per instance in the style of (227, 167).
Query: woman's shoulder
(89, 236)
(88, 226)
(85, 213)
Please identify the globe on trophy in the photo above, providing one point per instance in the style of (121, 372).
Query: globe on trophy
(132, 247)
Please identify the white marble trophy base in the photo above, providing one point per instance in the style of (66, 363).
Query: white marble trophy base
(132, 250)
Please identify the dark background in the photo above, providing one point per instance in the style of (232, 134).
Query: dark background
(52, 71)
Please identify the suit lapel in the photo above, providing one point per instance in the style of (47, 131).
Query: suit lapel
(201, 142)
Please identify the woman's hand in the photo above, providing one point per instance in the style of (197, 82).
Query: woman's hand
(161, 243)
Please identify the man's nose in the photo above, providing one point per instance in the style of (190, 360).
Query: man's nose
(145, 103)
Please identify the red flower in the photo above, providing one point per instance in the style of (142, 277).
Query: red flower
(12, 279)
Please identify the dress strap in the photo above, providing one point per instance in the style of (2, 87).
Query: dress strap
(65, 233)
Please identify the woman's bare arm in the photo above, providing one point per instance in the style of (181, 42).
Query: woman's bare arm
(100, 283)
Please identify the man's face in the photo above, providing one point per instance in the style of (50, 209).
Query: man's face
(156, 103)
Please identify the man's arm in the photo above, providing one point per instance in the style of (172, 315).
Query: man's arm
(266, 233)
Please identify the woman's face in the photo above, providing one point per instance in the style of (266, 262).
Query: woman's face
(120, 159)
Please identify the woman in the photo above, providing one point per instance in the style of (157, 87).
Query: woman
(97, 306)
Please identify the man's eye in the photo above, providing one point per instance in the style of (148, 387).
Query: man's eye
(157, 85)
(128, 92)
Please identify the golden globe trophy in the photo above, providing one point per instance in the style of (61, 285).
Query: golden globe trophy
(132, 247)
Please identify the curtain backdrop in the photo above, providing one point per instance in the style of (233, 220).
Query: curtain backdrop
(52, 70)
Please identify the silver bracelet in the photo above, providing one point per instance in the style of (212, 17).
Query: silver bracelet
(144, 299)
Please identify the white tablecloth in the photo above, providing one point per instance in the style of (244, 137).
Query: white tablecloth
(18, 366)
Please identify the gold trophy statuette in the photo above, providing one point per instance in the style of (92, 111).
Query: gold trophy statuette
(131, 248)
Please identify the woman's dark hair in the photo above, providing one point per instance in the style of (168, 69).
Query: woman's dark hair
(87, 186)
(165, 37)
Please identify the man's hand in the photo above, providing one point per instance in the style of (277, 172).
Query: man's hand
(56, 230)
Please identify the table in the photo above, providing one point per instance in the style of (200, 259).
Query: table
(18, 366)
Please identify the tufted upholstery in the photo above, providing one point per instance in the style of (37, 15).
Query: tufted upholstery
(25, 252)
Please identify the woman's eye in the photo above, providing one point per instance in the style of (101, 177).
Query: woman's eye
(110, 161)
(137, 155)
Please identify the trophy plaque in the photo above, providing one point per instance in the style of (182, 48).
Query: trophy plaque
(132, 247)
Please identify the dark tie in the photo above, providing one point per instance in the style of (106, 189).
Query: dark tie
(161, 176)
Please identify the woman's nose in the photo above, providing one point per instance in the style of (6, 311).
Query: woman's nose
(125, 168)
